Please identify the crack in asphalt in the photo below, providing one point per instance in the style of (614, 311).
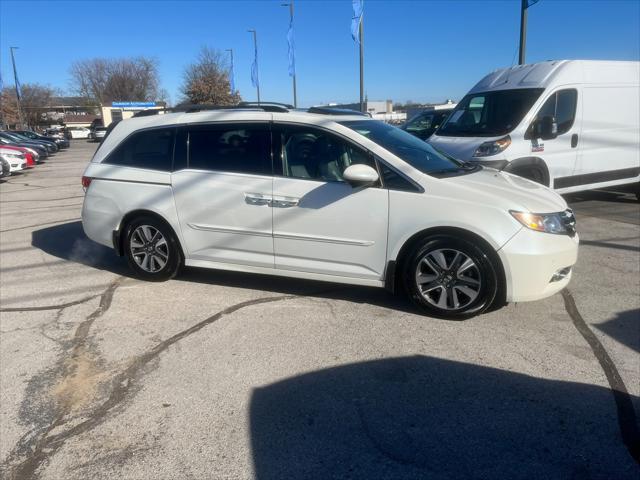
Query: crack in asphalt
(47, 444)
(627, 420)
(50, 307)
(30, 441)
(39, 225)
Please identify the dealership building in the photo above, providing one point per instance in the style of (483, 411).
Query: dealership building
(122, 110)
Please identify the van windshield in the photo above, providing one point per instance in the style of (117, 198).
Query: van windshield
(489, 114)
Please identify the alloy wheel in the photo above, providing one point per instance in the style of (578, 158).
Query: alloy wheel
(149, 248)
(448, 279)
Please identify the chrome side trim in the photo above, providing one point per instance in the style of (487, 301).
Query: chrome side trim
(314, 238)
(234, 230)
(284, 236)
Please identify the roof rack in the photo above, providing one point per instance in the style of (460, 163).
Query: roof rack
(267, 106)
(335, 111)
(262, 106)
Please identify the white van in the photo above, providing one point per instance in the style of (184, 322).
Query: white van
(571, 124)
(324, 194)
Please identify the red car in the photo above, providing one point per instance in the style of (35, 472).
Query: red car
(31, 161)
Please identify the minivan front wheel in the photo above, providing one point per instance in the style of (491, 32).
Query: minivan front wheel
(450, 277)
(152, 250)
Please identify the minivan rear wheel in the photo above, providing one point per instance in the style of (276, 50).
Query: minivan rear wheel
(152, 249)
(450, 277)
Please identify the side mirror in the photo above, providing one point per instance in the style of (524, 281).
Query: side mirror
(360, 175)
(547, 128)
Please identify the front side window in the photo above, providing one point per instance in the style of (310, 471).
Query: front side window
(417, 153)
(236, 148)
(489, 114)
(314, 154)
(562, 106)
(148, 149)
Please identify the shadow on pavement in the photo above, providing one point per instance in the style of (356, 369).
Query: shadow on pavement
(624, 328)
(422, 417)
(616, 196)
(68, 242)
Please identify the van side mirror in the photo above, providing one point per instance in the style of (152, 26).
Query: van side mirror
(360, 175)
(547, 128)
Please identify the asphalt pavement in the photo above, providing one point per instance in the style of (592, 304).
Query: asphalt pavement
(222, 375)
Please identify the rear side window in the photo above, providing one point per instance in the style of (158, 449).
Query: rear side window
(239, 148)
(148, 149)
(562, 106)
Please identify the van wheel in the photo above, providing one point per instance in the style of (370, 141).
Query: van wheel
(152, 250)
(450, 277)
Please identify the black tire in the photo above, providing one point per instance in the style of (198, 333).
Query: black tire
(165, 247)
(456, 283)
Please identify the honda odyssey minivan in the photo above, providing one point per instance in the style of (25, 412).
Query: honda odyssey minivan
(329, 195)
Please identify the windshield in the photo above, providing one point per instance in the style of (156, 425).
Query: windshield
(412, 150)
(489, 114)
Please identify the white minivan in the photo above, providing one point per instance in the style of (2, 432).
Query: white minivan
(571, 125)
(327, 195)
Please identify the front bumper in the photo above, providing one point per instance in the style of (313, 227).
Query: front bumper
(532, 262)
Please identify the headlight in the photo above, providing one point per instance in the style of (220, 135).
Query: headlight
(8, 156)
(493, 147)
(541, 222)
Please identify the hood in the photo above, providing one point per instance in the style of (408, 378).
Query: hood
(492, 186)
(462, 148)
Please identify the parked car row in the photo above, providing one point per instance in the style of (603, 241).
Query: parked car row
(23, 149)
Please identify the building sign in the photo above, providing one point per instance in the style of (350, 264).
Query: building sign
(133, 104)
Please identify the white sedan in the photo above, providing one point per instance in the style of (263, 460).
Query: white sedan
(79, 132)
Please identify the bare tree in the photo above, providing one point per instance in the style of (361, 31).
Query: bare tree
(34, 102)
(207, 80)
(125, 79)
(8, 107)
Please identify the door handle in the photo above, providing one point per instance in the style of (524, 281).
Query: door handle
(257, 199)
(574, 140)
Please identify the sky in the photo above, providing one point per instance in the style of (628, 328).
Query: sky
(425, 51)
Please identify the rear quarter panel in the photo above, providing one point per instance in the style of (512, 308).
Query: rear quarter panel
(116, 191)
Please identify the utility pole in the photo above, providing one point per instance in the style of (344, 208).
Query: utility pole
(295, 93)
(17, 85)
(524, 5)
(232, 83)
(255, 62)
(361, 38)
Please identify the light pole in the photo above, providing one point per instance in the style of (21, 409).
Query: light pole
(361, 38)
(17, 85)
(295, 93)
(524, 7)
(254, 68)
(523, 30)
(232, 83)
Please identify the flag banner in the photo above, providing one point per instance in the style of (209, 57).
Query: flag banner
(292, 51)
(254, 70)
(356, 20)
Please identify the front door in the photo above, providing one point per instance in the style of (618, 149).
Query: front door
(223, 194)
(561, 153)
(321, 224)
